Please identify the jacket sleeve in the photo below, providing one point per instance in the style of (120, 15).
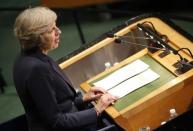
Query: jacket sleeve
(40, 87)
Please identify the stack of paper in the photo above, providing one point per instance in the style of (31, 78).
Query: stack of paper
(128, 79)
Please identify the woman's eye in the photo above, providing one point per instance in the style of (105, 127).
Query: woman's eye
(50, 31)
(53, 29)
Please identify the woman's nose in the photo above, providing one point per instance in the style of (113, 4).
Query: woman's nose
(58, 31)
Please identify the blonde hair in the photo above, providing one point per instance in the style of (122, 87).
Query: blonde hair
(31, 23)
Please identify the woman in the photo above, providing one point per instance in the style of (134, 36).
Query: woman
(49, 100)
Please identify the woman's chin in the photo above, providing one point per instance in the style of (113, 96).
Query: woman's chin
(55, 46)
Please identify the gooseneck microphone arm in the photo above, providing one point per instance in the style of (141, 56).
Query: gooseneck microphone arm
(187, 50)
(154, 36)
(183, 64)
(158, 39)
(111, 35)
(121, 41)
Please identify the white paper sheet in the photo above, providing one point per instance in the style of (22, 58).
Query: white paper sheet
(134, 83)
(122, 74)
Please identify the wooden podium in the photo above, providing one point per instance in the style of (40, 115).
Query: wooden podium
(149, 105)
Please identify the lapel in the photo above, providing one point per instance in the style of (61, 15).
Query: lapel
(59, 73)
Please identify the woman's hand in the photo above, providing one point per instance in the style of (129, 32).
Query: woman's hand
(93, 94)
(104, 102)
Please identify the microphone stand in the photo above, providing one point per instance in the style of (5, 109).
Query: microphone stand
(182, 65)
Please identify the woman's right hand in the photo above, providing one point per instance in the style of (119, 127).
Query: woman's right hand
(104, 101)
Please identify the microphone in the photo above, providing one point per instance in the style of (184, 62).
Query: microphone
(120, 41)
(182, 65)
(159, 40)
(154, 37)
(151, 48)
(111, 35)
(176, 53)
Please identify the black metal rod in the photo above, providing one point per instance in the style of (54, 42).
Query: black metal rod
(77, 22)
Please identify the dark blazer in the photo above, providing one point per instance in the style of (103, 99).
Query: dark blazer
(49, 100)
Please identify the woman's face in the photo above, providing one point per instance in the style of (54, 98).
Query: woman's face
(51, 38)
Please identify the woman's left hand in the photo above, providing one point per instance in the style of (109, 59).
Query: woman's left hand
(93, 94)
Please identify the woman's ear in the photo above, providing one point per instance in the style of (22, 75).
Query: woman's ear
(44, 42)
(41, 38)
